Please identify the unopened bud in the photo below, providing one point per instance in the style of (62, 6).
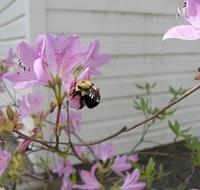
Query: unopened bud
(10, 113)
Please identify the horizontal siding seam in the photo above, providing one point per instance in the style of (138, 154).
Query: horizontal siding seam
(155, 54)
(152, 130)
(181, 108)
(7, 6)
(110, 12)
(12, 20)
(13, 38)
(131, 76)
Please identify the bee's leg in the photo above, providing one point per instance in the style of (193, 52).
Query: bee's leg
(81, 103)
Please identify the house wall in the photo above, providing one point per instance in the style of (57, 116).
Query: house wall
(131, 32)
(12, 24)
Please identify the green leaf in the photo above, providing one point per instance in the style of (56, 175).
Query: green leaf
(193, 144)
(174, 127)
(153, 85)
(150, 168)
(44, 164)
(139, 86)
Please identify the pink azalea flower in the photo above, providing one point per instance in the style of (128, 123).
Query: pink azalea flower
(121, 164)
(81, 151)
(89, 179)
(66, 184)
(133, 157)
(74, 120)
(30, 104)
(5, 158)
(131, 182)
(94, 60)
(5, 64)
(191, 29)
(56, 56)
(103, 151)
(26, 142)
(63, 168)
(32, 68)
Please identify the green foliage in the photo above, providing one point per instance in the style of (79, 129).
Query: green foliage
(44, 164)
(176, 92)
(16, 167)
(164, 114)
(193, 144)
(151, 172)
(147, 87)
(144, 103)
(176, 128)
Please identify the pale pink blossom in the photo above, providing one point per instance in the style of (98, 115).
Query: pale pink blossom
(121, 165)
(30, 104)
(81, 151)
(131, 181)
(133, 157)
(74, 120)
(63, 168)
(103, 151)
(32, 70)
(26, 142)
(66, 184)
(56, 56)
(190, 30)
(89, 180)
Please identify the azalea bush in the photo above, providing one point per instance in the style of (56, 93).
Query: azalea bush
(65, 68)
(58, 63)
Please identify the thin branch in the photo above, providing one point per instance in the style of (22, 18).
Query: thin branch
(89, 148)
(69, 137)
(31, 175)
(57, 129)
(23, 136)
(154, 116)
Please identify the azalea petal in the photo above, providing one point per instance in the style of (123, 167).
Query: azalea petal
(68, 81)
(20, 81)
(50, 54)
(193, 12)
(75, 102)
(184, 32)
(26, 53)
(135, 175)
(25, 84)
(40, 44)
(84, 187)
(39, 71)
(85, 75)
(137, 186)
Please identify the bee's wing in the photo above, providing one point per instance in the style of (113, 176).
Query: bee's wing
(94, 94)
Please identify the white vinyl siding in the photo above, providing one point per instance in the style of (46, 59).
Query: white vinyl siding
(131, 32)
(12, 24)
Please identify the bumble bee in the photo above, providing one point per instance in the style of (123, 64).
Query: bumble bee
(88, 93)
